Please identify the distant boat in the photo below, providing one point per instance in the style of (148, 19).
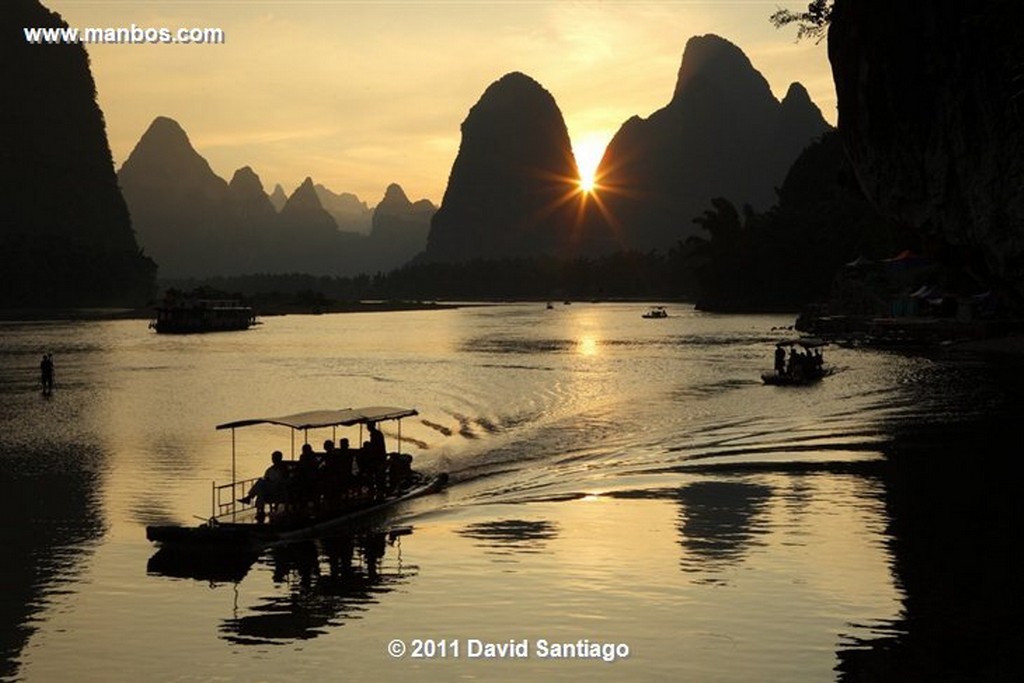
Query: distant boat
(656, 312)
(192, 316)
(550, 306)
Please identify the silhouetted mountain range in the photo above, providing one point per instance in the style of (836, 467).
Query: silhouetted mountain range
(723, 134)
(65, 235)
(513, 192)
(194, 224)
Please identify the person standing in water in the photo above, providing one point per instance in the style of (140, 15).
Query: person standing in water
(46, 372)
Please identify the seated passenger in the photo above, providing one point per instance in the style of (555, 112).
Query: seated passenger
(271, 488)
(399, 470)
(306, 476)
(338, 471)
(364, 465)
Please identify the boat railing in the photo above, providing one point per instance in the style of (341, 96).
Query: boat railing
(225, 497)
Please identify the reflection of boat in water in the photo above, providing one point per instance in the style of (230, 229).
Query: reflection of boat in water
(325, 582)
(192, 315)
(317, 584)
(183, 563)
(316, 497)
(656, 312)
(804, 364)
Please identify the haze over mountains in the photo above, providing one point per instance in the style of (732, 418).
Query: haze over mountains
(195, 224)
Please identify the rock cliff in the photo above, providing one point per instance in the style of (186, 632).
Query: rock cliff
(66, 237)
(723, 134)
(510, 189)
(931, 110)
(178, 204)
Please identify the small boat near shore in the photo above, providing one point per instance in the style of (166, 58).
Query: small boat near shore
(804, 364)
(316, 498)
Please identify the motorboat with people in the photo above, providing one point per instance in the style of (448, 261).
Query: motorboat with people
(317, 493)
(656, 312)
(798, 362)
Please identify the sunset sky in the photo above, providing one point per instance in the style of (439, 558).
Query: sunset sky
(361, 94)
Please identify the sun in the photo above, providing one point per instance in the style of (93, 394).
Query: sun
(588, 151)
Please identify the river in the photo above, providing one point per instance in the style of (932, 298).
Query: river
(627, 501)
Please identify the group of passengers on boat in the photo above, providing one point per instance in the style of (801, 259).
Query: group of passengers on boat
(805, 364)
(329, 478)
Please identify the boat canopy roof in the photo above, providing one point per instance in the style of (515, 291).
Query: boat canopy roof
(805, 342)
(312, 419)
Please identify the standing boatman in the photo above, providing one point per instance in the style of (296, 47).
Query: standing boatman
(780, 359)
(378, 457)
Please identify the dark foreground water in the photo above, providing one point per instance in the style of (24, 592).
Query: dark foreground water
(628, 502)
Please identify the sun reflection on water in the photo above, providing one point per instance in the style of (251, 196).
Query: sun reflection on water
(587, 345)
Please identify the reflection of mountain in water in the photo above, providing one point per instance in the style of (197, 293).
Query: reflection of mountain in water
(327, 583)
(955, 524)
(50, 513)
(509, 536)
(719, 522)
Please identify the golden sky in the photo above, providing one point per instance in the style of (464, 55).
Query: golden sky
(361, 94)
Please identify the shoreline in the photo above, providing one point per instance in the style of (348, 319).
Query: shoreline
(86, 314)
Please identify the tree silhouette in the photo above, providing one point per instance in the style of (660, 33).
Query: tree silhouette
(810, 24)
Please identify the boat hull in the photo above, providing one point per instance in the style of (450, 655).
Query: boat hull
(249, 536)
(783, 380)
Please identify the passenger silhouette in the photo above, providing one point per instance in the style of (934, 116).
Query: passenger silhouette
(271, 488)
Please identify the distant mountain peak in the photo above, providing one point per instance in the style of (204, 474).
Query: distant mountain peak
(394, 195)
(513, 90)
(246, 181)
(165, 154)
(304, 208)
(164, 127)
(797, 93)
(278, 197)
(304, 197)
(711, 59)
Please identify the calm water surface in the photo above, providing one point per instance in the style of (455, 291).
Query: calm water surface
(614, 480)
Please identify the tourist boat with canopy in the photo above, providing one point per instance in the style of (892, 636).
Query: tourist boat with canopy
(803, 364)
(316, 495)
(191, 314)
